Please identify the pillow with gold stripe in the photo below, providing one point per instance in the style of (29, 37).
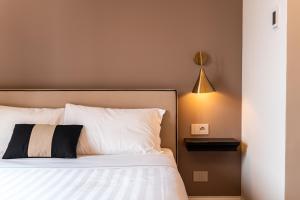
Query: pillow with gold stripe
(43, 141)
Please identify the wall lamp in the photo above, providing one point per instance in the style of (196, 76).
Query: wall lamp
(203, 85)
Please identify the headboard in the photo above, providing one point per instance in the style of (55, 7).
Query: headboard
(166, 99)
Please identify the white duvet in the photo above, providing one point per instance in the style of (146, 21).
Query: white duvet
(103, 177)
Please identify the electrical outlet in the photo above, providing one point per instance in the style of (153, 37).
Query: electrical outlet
(200, 176)
(199, 129)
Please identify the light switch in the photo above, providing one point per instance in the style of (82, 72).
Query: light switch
(275, 18)
(200, 176)
(199, 129)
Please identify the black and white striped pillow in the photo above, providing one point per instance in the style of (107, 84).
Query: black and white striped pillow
(43, 140)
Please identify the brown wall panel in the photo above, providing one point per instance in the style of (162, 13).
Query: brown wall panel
(136, 44)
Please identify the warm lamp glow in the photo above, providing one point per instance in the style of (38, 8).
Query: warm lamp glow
(196, 104)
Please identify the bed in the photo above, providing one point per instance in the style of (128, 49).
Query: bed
(128, 176)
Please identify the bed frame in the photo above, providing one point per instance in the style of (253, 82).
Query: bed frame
(166, 99)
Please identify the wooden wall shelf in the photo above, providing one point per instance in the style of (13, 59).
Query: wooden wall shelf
(211, 144)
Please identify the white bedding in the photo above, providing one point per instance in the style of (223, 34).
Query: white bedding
(111, 177)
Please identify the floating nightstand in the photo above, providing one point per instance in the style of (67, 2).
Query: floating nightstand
(211, 144)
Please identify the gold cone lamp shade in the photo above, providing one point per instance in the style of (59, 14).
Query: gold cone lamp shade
(203, 85)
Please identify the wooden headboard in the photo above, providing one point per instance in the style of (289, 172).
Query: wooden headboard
(166, 99)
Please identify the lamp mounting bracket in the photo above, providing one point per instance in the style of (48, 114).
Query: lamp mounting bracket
(201, 58)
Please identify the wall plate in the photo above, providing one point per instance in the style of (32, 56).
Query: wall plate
(199, 129)
(200, 176)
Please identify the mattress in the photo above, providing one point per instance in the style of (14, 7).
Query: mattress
(101, 177)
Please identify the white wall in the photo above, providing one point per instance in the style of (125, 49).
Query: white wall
(264, 94)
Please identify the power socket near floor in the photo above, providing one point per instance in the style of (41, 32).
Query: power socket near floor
(200, 176)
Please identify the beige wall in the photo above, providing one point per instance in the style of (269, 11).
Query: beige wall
(264, 101)
(136, 44)
(293, 103)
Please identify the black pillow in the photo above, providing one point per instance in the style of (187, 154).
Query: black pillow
(43, 141)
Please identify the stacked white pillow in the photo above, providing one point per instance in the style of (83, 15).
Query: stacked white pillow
(106, 130)
(9, 116)
(116, 131)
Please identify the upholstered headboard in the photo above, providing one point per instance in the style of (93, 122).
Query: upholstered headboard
(166, 99)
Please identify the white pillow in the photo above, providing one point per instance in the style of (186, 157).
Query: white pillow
(116, 131)
(9, 116)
